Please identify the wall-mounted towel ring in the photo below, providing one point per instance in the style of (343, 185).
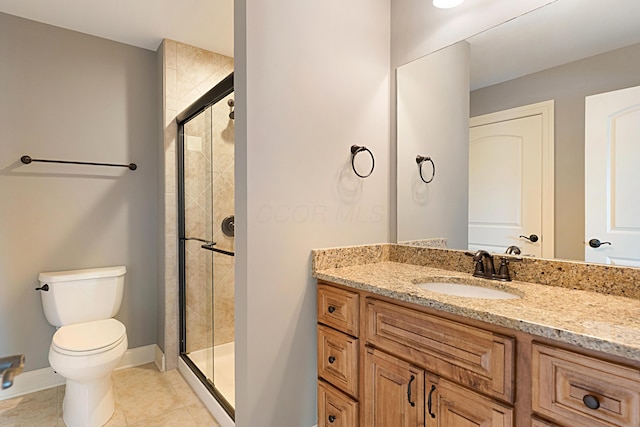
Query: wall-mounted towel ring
(422, 159)
(355, 149)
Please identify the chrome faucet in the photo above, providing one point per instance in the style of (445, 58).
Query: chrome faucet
(9, 368)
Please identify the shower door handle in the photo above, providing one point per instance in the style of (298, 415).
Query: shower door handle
(220, 251)
(206, 242)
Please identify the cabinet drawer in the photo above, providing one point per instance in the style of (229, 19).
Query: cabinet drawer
(479, 359)
(335, 409)
(338, 359)
(563, 383)
(338, 308)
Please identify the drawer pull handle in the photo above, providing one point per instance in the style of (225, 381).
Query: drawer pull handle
(332, 418)
(433, 388)
(591, 402)
(332, 359)
(331, 309)
(409, 391)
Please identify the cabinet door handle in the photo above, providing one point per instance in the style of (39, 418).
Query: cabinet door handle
(332, 418)
(332, 359)
(433, 388)
(591, 402)
(409, 390)
(331, 309)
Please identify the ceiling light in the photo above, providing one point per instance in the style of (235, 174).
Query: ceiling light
(446, 4)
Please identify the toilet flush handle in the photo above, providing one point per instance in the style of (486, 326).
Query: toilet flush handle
(44, 287)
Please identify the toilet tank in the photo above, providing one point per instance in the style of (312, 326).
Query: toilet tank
(77, 296)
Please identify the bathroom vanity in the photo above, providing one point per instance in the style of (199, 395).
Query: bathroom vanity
(389, 351)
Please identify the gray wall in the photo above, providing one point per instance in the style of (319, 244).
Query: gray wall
(438, 130)
(66, 95)
(418, 29)
(312, 78)
(568, 85)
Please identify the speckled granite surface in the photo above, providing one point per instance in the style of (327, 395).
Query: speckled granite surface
(593, 320)
(436, 242)
(608, 280)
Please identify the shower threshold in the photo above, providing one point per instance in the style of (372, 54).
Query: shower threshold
(218, 365)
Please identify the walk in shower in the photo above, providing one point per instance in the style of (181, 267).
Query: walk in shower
(206, 240)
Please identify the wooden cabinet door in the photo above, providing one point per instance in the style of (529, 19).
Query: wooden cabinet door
(393, 392)
(455, 406)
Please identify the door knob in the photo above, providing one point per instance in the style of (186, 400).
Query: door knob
(595, 243)
(533, 238)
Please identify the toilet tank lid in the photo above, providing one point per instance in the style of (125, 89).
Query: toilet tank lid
(89, 273)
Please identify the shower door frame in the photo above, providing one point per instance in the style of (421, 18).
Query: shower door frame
(214, 95)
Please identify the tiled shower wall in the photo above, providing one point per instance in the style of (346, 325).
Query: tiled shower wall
(188, 73)
(208, 200)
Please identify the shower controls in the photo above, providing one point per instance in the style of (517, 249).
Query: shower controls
(228, 226)
(231, 103)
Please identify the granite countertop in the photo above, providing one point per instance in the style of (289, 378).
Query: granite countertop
(610, 324)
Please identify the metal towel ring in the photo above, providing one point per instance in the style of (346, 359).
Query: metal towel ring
(355, 149)
(422, 159)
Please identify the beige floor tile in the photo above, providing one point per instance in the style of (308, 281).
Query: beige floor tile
(35, 409)
(176, 418)
(144, 393)
(144, 397)
(185, 394)
(201, 416)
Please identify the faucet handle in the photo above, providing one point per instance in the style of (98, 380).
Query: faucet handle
(503, 271)
(478, 270)
(513, 249)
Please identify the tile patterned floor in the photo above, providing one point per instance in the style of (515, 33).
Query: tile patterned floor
(144, 397)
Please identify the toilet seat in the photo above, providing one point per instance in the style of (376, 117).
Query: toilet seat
(83, 339)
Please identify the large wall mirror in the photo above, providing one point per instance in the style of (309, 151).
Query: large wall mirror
(557, 57)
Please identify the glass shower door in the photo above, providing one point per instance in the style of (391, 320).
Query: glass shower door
(206, 186)
(198, 233)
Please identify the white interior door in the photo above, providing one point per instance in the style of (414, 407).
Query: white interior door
(612, 177)
(505, 185)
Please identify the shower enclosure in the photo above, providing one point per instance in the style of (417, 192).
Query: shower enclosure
(206, 240)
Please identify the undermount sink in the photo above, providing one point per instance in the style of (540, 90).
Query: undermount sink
(467, 291)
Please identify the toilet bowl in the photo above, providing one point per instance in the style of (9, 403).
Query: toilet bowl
(86, 354)
(89, 342)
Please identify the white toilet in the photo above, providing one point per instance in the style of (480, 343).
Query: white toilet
(89, 343)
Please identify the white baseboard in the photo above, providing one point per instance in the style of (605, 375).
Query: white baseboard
(28, 382)
(41, 379)
(138, 356)
(160, 360)
(201, 391)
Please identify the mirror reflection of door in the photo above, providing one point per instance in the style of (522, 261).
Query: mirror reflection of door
(612, 177)
(507, 194)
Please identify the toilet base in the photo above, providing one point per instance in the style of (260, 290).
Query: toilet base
(88, 404)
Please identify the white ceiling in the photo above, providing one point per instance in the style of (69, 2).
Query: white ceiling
(563, 31)
(207, 24)
(556, 34)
